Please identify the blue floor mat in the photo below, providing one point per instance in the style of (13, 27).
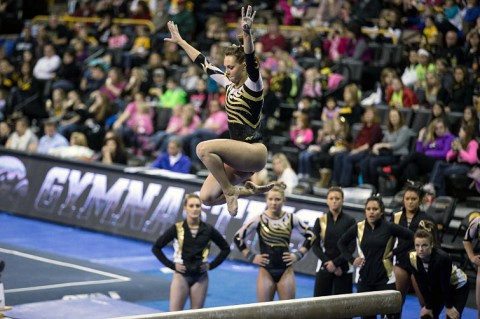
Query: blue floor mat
(230, 284)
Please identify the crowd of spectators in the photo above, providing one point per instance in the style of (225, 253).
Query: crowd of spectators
(71, 86)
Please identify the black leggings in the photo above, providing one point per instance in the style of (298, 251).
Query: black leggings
(414, 166)
(460, 297)
(327, 284)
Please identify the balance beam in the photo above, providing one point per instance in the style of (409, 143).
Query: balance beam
(331, 307)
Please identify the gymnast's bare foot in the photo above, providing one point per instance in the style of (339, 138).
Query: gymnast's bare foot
(231, 199)
(254, 189)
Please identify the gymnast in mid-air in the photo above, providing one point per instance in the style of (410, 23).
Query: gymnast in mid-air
(232, 161)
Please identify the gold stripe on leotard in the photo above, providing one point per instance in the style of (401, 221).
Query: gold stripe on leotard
(180, 238)
(323, 226)
(387, 262)
(276, 235)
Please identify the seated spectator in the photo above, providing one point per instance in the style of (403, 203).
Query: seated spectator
(78, 148)
(117, 40)
(336, 44)
(273, 38)
(281, 82)
(114, 86)
(452, 51)
(312, 87)
(174, 159)
(369, 135)
(25, 97)
(93, 78)
(409, 75)
(462, 90)
(135, 121)
(137, 82)
(433, 90)
(73, 115)
(393, 146)
(189, 79)
(23, 138)
(423, 66)
(358, 47)
(199, 97)
(113, 150)
(331, 110)
(327, 11)
(5, 131)
(472, 50)
(400, 96)
(307, 43)
(45, 68)
(51, 138)
(301, 135)
(67, 77)
(351, 109)
(470, 118)
(174, 94)
(325, 139)
(460, 159)
(432, 146)
(284, 172)
(140, 49)
(430, 34)
(214, 126)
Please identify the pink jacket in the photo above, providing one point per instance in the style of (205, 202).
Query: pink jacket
(466, 156)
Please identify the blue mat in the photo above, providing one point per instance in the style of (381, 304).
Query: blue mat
(32, 276)
(91, 308)
(230, 284)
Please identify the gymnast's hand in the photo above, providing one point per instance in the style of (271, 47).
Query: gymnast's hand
(261, 259)
(338, 272)
(452, 313)
(247, 19)
(475, 260)
(330, 266)
(289, 258)
(180, 268)
(426, 312)
(175, 36)
(359, 262)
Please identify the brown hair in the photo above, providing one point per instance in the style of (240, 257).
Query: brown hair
(335, 189)
(428, 227)
(79, 139)
(190, 196)
(400, 124)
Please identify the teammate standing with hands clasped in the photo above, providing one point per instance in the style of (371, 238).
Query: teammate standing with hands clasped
(232, 161)
(333, 276)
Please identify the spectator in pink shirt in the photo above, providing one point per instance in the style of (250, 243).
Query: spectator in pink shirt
(114, 84)
(183, 121)
(460, 159)
(337, 41)
(118, 39)
(301, 134)
(135, 121)
(214, 126)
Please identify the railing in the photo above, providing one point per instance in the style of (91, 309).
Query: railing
(70, 20)
(297, 29)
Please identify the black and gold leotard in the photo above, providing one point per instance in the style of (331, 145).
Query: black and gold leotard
(243, 104)
(274, 238)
